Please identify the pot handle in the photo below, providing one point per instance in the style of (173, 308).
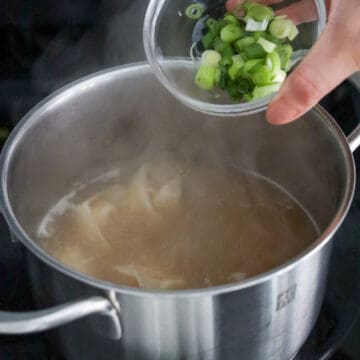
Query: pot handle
(354, 139)
(18, 323)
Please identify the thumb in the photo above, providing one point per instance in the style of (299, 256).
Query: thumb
(331, 60)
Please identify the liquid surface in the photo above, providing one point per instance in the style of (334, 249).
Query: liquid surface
(168, 226)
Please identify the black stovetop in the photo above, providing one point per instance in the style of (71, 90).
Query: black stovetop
(46, 45)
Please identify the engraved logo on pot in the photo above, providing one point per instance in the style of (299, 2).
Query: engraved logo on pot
(286, 297)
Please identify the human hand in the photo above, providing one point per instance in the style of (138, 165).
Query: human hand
(334, 57)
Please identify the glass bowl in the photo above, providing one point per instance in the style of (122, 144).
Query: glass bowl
(168, 38)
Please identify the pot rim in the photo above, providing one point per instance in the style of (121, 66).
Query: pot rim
(19, 132)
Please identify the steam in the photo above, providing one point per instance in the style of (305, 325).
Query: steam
(114, 38)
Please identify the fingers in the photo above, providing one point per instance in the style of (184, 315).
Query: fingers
(300, 12)
(232, 4)
(270, 2)
(328, 63)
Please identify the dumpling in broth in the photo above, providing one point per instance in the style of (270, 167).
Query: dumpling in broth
(155, 188)
(87, 220)
(151, 278)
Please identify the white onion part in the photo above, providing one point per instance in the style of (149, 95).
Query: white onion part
(252, 25)
(279, 77)
(210, 57)
(294, 32)
(268, 46)
(269, 63)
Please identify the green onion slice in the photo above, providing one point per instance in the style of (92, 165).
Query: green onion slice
(268, 46)
(230, 33)
(261, 13)
(263, 91)
(210, 57)
(281, 28)
(194, 11)
(206, 76)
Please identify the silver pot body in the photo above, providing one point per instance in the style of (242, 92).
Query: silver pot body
(123, 115)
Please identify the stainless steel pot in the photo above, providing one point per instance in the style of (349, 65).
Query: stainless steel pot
(117, 116)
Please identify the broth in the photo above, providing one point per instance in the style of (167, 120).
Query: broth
(171, 226)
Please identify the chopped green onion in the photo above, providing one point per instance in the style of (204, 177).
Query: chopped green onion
(194, 11)
(206, 76)
(281, 28)
(220, 45)
(254, 51)
(225, 49)
(210, 57)
(273, 62)
(244, 86)
(293, 33)
(223, 78)
(248, 5)
(230, 33)
(207, 41)
(260, 13)
(242, 43)
(261, 76)
(252, 25)
(243, 53)
(256, 68)
(258, 34)
(233, 91)
(263, 91)
(228, 51)
(273, 39)
(226, 61)
(217, 77)
(213, 26)
(234, 70)
(268, 46)
(285, 52)
(279, 77)
(250, 64)
(248, 97)
(238, 59)
(231, 19)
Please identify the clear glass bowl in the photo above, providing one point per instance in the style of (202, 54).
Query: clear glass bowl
(168, 36)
